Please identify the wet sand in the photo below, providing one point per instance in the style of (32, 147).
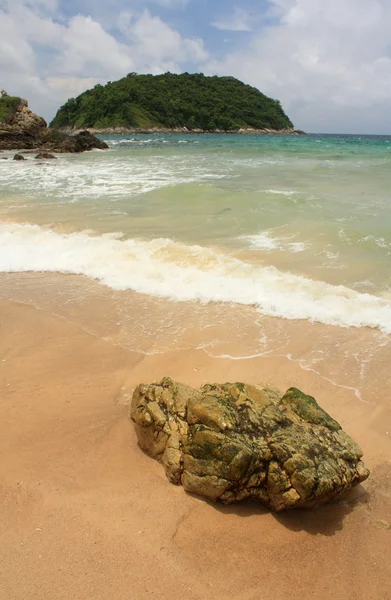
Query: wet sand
(85, 514)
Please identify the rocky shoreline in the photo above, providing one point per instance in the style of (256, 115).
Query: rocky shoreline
(50, 141)
(21, 129)
(180, 130)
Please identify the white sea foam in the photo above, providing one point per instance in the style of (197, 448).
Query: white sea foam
(106, 176)
(265, 241)
(380, 242)
(331, 255)
(281, 192)
(169, 269)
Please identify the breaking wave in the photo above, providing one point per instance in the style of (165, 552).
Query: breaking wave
(162, 267)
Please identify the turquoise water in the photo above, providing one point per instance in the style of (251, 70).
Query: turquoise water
(298, 226)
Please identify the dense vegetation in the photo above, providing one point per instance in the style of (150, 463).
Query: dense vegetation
(8, 106)
(192, 101)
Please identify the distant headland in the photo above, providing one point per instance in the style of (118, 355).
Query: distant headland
(187, 103)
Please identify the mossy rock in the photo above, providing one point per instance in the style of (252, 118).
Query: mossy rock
(233, 441)
(307, 408)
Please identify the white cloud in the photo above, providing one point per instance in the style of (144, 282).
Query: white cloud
(329, 63)
(157, 42)
(239, 21)
(14, 57)
(88, 49)
(48, 61)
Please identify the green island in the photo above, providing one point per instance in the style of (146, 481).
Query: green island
(192, 101)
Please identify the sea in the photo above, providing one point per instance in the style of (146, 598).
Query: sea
(239, 245)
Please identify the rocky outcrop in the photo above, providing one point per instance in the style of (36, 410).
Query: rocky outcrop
(21, 129)
(45, 156)
(19, 157)
(181, 130)
(234, 441)
(23, 120)
(56, 141)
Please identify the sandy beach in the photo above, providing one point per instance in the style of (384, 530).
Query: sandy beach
(85, 514)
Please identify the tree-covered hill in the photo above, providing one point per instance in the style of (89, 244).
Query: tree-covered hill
(171, 101)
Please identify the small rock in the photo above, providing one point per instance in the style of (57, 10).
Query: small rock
(4, 157)
(19, 157)
(45, 155)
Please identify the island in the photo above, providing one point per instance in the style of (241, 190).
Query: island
(173, 103)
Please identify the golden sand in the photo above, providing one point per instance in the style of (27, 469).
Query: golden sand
(86, 515)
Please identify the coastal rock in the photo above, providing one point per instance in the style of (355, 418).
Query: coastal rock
(16, 140)
(21, 119)
(21, 129)
(45, 155)
(57, 141)
(232, 441)
(19, 157)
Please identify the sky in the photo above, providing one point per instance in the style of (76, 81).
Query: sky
(327, 61)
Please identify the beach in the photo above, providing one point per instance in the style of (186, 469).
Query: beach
(263, 264)
(86, 514)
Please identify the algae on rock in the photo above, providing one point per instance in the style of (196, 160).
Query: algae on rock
(229, 442)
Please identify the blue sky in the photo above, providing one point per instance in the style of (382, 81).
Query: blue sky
(328, 62)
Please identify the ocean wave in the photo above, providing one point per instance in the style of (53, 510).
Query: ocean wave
(162, 267)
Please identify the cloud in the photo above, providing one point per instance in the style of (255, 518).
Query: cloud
(87, 49)
(157, 43)
(329, 63)
(48, 57)
(238, 21)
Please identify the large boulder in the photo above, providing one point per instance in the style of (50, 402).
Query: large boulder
(233, 441)
(57, 141)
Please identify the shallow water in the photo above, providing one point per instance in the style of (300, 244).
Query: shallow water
(299, 227)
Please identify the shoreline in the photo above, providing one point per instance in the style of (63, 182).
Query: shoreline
(74, 131)
(180, 130)
(80, 497)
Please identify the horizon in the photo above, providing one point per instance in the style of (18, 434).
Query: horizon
(329, 66)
